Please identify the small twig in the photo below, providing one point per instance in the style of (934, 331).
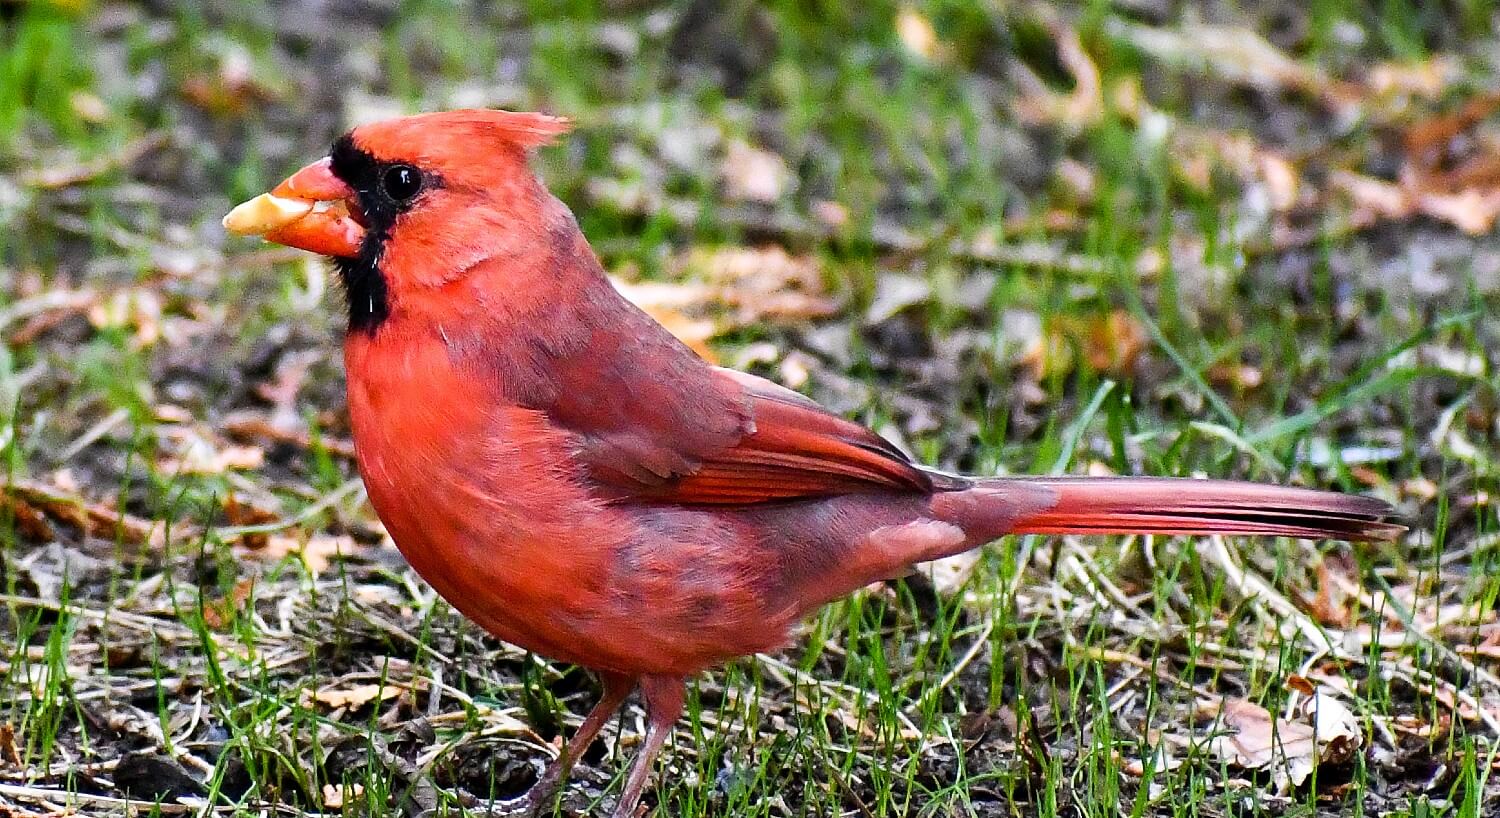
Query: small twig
(94, 518)
(134, 621)
(51, 178)
(963, 662)
(329, 500)
(46, 302)
(49, 796)
(92, 435)
(1250, 586)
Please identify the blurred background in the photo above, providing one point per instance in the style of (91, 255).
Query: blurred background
(1250, 240)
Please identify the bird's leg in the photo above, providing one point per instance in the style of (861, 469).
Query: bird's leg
(617, 686)
(663, 696)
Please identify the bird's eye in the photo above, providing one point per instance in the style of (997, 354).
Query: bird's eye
(402, 182)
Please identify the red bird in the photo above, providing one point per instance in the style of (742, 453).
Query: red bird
(581, 484)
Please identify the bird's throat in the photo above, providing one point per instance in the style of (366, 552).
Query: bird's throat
(365, 286)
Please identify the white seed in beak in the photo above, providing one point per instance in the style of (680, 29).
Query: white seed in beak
(265, 213)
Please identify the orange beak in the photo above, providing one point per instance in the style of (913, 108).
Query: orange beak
(312, 210)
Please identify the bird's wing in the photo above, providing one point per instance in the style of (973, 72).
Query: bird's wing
(785, 447)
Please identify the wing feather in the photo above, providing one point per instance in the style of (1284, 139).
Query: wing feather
(794, 449)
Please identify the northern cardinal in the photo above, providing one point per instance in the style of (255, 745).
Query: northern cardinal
(574, 479)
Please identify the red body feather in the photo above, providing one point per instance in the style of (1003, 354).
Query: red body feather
(578, 482)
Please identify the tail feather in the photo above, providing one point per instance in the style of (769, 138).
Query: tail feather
(1163, 505)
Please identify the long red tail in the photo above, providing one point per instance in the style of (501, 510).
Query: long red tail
(1164, 505)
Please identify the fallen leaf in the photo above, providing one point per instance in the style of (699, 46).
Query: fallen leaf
(894, 293)
(754, 174)
(232, 88)
(694, 332)
(1115, 342)
(1472, 211)
(1333, 606)
(256, 425)
(357, 696)
(1239, 376)
(29, 520)
(317, 553)
(93, 518)
(1249, 737)
(1236, 55)
(1073, 110)
(1339, 732)
(202, 457)
(219, 613)
(8, 752)
(1111, 342)
(1427, 143)
(720, 289)
(949, 574)
(916, 33)
(1377, 197)
(137, 310)
(43, 311)
(1424, 79)
(336, 796)
(1252, 739)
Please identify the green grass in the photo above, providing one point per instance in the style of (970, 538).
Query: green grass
(1063, 678)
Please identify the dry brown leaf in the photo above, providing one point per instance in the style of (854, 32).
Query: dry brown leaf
(1110, 342)
(8, 752)
(723, 288)
(238, 513)
(230, 90)
(93, 518)
(1255, 740)
(202, 457)
(1472, 211)
(949, 574)
(137, 310)
(1378, 198)
(1237, 55)
(317, 553)
(336, 796)
(754, 174)
(1428, 142)
(666, 303)
(1327, 732)
(1453, 179)
(916, 33)
(1282, 182)
(1422, 79)
(1077, 109)
(29, 520)
(43, 311)
(1239, 376)
(764, 282)
(218, 614)
(1333, 605)
(247, 424)
(1115, 343)
(357, 696)
(694, 332)
(1340, 733)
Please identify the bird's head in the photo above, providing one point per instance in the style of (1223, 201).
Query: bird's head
(411, 203)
